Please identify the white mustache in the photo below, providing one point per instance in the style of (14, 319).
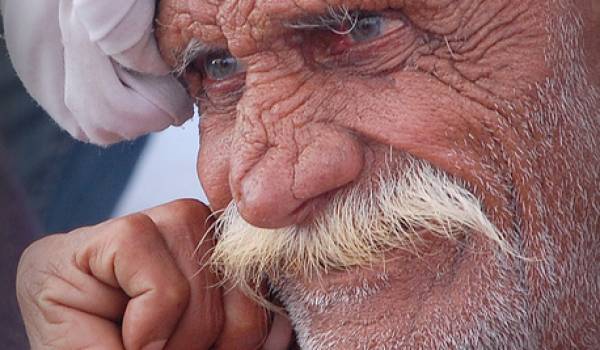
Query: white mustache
(356, 229)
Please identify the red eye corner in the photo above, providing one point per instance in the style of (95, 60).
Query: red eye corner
(363, 29)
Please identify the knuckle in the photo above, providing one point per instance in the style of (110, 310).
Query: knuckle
(131, 230)
(135, 223)
(27, 257)
(188, 210)
(46, 300)
(41, 289)
(34, 249)
(38, 256)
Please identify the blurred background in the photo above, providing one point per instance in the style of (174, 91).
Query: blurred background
(165, 171)
(68, 184)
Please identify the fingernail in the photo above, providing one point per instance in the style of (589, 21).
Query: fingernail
(156, 345)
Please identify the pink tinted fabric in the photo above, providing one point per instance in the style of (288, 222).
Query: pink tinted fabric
(94, 66)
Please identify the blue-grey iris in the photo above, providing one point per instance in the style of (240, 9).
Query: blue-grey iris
(367, 28)
(221, 66)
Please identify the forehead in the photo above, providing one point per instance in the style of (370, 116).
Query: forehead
(210, 20)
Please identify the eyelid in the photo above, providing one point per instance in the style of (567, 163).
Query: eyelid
(342, 44)
(334, 19)
(389, 22)
(387, 18)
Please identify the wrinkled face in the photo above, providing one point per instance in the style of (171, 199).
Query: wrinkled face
(409, 173)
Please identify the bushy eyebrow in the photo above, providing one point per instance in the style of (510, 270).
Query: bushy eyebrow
(338, 19)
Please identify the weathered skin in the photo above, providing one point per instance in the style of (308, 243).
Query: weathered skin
(503, 95)
(457, 86)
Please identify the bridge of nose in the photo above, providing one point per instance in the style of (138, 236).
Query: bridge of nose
(284, 155)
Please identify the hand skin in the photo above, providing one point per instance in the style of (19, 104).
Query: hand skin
(135, 283)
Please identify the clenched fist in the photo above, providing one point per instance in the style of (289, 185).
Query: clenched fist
(136, 283)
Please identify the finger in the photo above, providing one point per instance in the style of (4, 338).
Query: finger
(75, 329)
(246, 323)
(132, 255)
(68, 284)
(184, 224)
(53, 300)
(281, 334)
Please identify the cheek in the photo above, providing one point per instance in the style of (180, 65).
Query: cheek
(425, 118)
(213, 163)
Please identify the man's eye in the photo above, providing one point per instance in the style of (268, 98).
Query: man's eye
(221, 66)
(367, 28)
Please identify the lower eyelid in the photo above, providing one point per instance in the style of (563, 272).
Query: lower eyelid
(224, 94)
(241, 69)
(234, 80)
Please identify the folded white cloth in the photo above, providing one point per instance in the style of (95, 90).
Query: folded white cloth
(94, 66)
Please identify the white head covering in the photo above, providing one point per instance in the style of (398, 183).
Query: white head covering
(94, 66)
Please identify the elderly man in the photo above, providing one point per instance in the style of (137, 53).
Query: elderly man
(418, 174)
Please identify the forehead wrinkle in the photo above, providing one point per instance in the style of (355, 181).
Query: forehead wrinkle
(317, 7)
(250, 22)
(179, 22)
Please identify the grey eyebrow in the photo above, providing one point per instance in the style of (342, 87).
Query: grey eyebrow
(194, 49)
(336, 17)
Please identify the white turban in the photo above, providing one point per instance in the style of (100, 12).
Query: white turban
(94, 66)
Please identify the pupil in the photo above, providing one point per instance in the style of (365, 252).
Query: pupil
(221, 66)
(367, 28)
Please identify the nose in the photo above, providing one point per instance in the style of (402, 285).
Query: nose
(274, 184)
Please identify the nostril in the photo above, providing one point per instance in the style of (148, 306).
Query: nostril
(277, 216)
(308, 210)
(268, 209)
